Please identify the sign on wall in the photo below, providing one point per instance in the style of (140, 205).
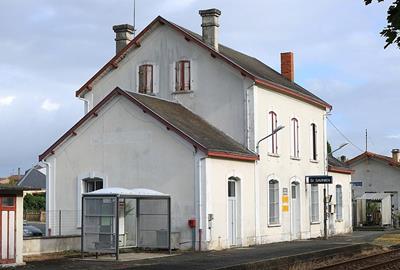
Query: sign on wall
(285, 200)
(319, 179)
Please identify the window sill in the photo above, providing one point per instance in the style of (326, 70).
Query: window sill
(339, 220)
(273, 155)
(314, 161)
(149, 94)
(295, 158)
(274, 225)
(182, 92)
(315, 222)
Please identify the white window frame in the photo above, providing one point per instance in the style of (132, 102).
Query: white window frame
(80, 188)
(273, 202)
(339, 203)
(295, 137)
(314, 203)
(272, 122)
(314, 142)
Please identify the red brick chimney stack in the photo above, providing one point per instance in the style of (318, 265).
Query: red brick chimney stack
(287, 65)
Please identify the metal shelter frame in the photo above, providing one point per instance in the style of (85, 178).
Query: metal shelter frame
(117, 199)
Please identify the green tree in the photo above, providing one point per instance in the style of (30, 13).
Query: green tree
(35, 202)
(328, 147)
(392, 31)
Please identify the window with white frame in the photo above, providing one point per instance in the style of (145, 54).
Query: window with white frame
(182, 76)
(92, 184)
(314, 153)
(273, 186)
(145, 79)
(339, 203)
(294, 123)
(273, 141)
(314, 203)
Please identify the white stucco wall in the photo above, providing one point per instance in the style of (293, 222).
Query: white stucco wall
(128, 149)
(218, 171)
(218, 90)
(282, 167)
(345, 225)
(376, 176)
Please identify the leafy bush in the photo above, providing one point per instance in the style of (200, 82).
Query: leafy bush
(35, 202)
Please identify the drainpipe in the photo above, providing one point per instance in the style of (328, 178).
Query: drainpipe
(47, 165)
(86, 104)
(200, 205)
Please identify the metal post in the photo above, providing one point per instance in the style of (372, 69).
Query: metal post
(82, 232)
(137, 221)
(200, 232)
(117, 230)
(59, 222)
(325, 216)
(169, 225)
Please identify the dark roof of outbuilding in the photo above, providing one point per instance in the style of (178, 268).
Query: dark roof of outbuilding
(177, 118)
(193, 126)
(368, 155)
(335, 165)
(34, 179)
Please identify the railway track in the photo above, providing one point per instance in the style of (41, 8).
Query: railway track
(387, 260)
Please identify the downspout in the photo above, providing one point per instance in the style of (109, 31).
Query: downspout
(200, 206)
(47, 165)
(86, 104)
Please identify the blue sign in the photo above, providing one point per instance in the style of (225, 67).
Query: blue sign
(319, 179)
(356, 184)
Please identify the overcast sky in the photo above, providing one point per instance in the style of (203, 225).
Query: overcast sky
(48, 49)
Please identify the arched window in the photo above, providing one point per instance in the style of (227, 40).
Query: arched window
(339, 203)
(295, 137)
(182, 76)
(273, 123)
(314, 153)
(273, 186)
(314, 203)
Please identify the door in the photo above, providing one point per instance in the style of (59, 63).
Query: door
(295, 212)
(7, 230)
(232, 212)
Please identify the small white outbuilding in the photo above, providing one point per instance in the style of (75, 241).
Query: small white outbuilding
(374, 209)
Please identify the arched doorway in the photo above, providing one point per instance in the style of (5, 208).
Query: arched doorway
(295, 210)
(233, 210)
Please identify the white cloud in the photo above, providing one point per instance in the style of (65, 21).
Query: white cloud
(394, 136)
(49, 105)
(6, 101)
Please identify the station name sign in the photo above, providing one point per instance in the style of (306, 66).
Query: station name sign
(319, 179)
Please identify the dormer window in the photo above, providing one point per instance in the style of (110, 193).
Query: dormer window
(182, 76)
(145, 79)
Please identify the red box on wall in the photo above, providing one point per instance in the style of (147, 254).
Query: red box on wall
(192, 223)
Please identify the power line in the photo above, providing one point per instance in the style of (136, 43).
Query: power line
(344, 136)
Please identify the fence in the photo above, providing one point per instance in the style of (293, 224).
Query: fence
(60, 222)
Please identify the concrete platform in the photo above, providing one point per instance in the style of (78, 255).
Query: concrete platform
(127, 257)
(230, 258)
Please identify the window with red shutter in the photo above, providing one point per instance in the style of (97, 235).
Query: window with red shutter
(145, 79)
(182, 75)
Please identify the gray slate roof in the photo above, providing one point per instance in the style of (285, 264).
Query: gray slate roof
(332, 161)
(257, 68)
(192, 125)
(33, 179)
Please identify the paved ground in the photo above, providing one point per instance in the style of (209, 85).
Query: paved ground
(212, 259)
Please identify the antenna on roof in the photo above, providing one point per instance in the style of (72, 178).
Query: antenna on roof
(134, 17)
(366, 140)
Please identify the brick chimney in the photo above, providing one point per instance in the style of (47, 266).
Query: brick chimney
(210, 26)
(287, 65)
(396, 155)
(123, 35)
